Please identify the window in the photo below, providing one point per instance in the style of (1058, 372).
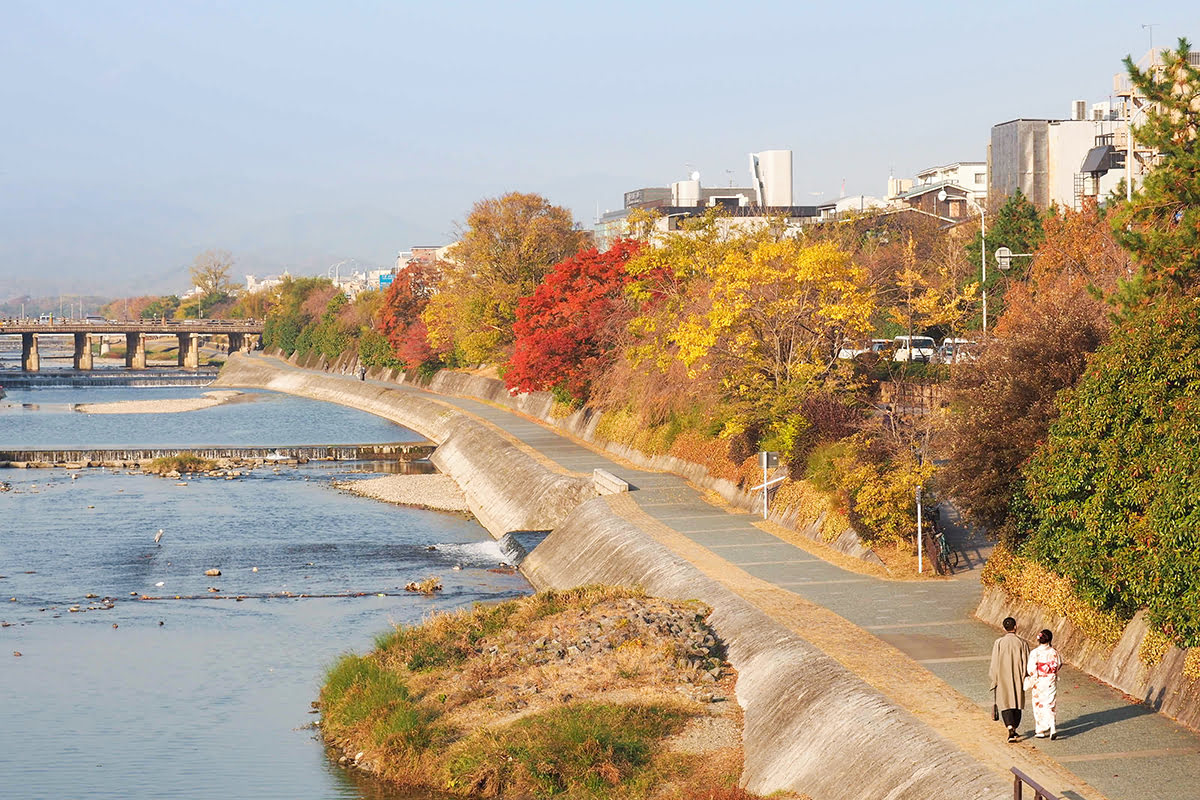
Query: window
(980, 178)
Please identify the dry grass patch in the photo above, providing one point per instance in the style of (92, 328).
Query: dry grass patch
(574, 694)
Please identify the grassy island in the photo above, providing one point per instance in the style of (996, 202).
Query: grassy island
(594, 692)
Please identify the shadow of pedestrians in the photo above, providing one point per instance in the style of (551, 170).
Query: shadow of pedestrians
(1099, 719)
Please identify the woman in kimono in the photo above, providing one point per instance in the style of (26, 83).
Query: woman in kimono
(1043, 668)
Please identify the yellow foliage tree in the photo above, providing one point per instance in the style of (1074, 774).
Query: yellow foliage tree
(777, 315)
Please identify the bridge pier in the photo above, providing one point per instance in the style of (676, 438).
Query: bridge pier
(29, 352)
(83, 351)
(242, 342)
(189, 350)
(135, 351)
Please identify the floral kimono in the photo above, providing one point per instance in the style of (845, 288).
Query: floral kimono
(1043, 667)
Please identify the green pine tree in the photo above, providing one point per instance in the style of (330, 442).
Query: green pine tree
(1160, 226)
(1017, 226)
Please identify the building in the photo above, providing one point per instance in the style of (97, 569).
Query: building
(1048, 159)
(970, 175)
(769, 197)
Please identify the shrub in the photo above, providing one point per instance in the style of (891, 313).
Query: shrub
(1111, 492)
(180, 462)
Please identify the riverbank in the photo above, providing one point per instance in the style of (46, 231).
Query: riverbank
(434, 491)
(839, 737)
(599, 689)
(163, 406)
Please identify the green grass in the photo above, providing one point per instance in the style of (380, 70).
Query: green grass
(584, 750)
(361, 696)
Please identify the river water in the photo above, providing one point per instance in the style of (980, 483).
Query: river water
(204, 696)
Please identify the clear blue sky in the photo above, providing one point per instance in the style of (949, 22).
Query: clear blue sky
(137, 134)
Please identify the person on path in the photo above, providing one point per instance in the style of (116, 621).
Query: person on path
(1043, 667)
(1010, 657)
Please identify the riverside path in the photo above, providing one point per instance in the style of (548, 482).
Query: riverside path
(916, 641)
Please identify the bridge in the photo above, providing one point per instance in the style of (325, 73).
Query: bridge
(243, 334)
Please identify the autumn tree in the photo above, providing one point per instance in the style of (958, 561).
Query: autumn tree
(210, 271)
(930, 295)
(508, 245)
(568, 329)
(1161, 226)
(776, 318)
(1005, 401)
(400, 313)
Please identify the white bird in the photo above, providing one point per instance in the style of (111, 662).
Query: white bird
(160, 584)
(158, 536)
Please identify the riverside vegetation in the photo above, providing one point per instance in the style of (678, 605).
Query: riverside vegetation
(595, 692)
(715, 342)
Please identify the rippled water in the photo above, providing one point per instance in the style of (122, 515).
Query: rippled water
(45, 418)
(213, 702)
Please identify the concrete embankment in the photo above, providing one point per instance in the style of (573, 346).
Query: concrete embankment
(811, 725)
(507, 488)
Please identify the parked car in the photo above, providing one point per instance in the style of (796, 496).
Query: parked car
(914, 348)
(881, 346)
(956, 351)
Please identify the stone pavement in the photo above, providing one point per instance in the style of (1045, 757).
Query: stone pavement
(1122, 749)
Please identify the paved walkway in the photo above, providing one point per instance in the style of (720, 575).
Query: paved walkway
(1123, 750)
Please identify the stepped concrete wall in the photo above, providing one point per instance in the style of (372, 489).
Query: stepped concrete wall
(1162, 686)
(810, 725)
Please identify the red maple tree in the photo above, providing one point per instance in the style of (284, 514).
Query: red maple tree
(566, 331)
(400, 317)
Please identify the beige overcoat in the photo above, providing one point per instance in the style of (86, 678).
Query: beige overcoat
(1010, 653)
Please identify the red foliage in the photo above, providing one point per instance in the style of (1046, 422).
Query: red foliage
(400, 317)
(566, 330)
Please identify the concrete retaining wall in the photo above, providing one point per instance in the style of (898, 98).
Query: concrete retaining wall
(811, 726)
(506, 489)
(582, 424)
(1163, 686)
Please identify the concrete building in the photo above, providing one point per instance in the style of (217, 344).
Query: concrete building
(1048, 159)
(770, 196)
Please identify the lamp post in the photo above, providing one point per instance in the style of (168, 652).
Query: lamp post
(982, 249)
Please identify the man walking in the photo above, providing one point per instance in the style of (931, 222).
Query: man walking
(1010, 654)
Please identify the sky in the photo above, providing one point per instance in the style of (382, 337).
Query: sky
(301, 135)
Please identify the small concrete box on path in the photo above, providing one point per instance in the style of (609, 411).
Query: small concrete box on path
(607, 483)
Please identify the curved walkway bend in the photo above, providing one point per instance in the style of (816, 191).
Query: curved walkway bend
(916, 642)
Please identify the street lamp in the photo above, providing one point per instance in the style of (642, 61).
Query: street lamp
(982, 249)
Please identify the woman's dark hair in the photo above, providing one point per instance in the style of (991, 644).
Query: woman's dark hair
(1045, 637)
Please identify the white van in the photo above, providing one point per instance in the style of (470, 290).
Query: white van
(914, 348)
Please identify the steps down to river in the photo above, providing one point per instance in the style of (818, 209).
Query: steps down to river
(394, 451)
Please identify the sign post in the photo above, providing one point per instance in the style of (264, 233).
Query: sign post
(767, 459)
(920, 536)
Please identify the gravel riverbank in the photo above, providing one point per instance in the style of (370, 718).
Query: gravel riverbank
(437, 492)
(164, 406)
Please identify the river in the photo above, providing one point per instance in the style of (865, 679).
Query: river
(204, 696)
